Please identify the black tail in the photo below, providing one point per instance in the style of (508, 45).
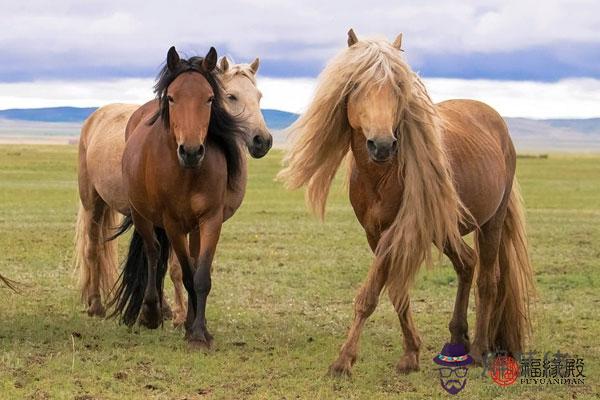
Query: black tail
(129, 292)
(124, 227)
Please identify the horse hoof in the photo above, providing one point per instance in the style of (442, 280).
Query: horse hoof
(96, 309)
(178, 320)
(477, 356)
(340, 369)
(150, 316)
(166, 311)
(200, 340)
(407, 364)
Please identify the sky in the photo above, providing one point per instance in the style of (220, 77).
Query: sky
(525, 58)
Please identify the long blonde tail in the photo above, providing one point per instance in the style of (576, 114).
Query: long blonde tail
(107, 252)
(510, 325)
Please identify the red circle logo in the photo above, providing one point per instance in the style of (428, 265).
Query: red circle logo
(504, 370)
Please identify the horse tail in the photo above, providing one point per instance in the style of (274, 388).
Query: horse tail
(510, 324)
(129, 292)
(107, 251)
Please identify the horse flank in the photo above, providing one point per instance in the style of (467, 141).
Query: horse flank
(431, 210)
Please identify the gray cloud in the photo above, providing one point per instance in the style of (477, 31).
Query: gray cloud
(109, 38)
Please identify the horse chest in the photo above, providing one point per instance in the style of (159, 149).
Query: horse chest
(375, 208)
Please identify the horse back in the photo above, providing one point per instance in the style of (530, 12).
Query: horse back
(481, 154)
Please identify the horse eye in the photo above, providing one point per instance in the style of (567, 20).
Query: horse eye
(170, 99)
(231, 97)
(210, 99)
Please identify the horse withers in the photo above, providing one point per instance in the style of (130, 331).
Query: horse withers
(419, 174)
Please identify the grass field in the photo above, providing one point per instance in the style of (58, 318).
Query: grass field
(282, 296)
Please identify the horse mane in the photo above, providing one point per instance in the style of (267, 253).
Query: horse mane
(224, 129)
(430, 210)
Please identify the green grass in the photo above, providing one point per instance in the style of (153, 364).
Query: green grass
(282, 296)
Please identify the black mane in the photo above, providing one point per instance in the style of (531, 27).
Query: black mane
(224, 129)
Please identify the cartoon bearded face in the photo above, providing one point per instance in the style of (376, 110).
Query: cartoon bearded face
(453, 379)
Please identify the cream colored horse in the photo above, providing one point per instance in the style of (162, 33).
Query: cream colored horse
(103, 196)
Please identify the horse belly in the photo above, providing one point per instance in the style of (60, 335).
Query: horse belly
(104, 157)
(234, 198)
(104, 153)
(480, 180)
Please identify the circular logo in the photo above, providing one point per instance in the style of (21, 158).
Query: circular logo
(504, 370)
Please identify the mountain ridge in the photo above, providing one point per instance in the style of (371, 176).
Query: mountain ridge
(557, 134)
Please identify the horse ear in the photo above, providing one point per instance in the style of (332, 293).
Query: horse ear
(254, 66)
(224, 64)
(398, 42)
(172, 58)
(352, 39)
(210, 61)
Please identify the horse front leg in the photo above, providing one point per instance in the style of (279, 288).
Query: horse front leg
(210, 230)
(364, 305)
(186, 261)
(180, 306)
(412, 341)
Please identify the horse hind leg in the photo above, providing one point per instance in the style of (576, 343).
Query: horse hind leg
(150, 314)
(90, 246)
(464, 263)
(488, 241)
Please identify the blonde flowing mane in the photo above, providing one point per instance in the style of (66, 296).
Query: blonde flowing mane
(431, 210)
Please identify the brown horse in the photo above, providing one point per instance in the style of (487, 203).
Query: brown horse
(103, 195)
(242, 98)
(419, 173)
(177, 168)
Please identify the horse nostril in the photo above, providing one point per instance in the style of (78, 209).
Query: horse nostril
(181, 150)
(200, 151)
(394, 145)
(371, 145)
(257, 141)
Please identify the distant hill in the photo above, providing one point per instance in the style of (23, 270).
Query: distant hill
(275, 119)
(529, 135)
(555, 134)
(51, 114)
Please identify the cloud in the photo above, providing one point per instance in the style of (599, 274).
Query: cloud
(110, 38)
(571, 98)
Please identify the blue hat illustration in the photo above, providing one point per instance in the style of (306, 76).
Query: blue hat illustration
(453, 355)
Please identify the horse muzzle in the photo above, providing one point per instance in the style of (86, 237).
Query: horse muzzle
(260, 145)
(382, 150)
(190, 157)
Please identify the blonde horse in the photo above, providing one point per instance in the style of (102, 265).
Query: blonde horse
(419, 174)
(103, 196)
